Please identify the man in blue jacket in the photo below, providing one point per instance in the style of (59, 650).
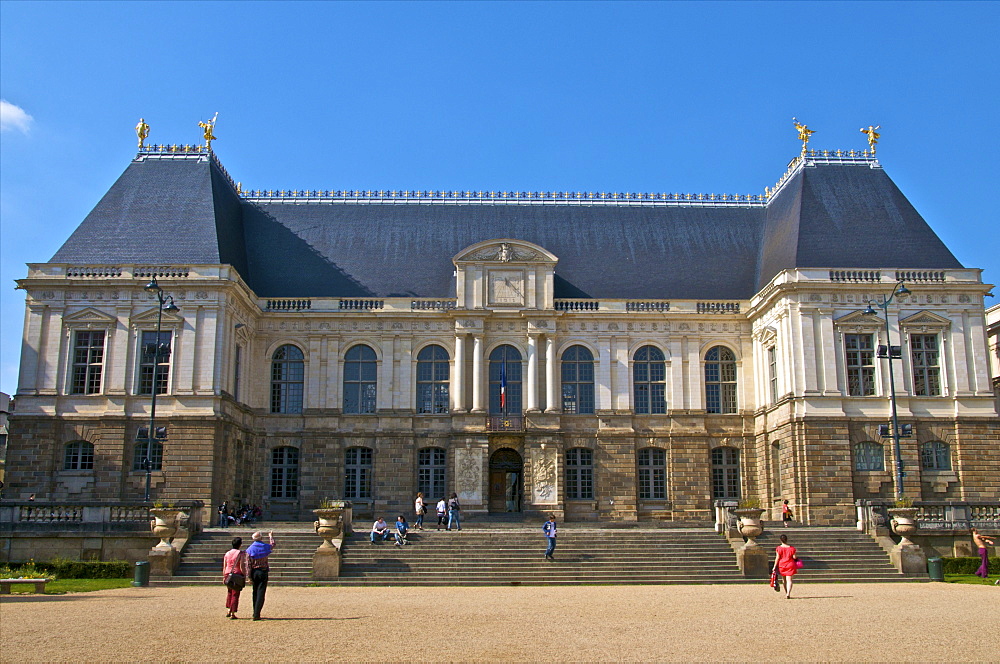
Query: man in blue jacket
(258, 553)
(550, 532)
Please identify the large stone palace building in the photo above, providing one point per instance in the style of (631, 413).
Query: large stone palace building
(601, 356)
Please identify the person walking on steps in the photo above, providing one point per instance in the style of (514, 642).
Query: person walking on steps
(980, 542)
(786, 513)
(258, 552)
(786, 563)
(549, 528)
(420, 508)
(442, 512)
(454, 512)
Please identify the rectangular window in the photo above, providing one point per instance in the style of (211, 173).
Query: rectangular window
(579, 474)
(236, 372)
(926, 365)
(154, 353)
(772, 373)
(88, 361)
(860, 356)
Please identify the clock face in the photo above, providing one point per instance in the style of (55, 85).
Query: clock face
(507, 287)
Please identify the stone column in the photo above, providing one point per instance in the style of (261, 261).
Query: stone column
(458, 376)
(477, 374)
(532, 382)
(605, 390)
(551, 405)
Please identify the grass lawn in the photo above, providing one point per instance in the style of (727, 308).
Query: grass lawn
(969, 578)
(60, 586)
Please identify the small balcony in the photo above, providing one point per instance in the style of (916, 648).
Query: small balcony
(505, 423)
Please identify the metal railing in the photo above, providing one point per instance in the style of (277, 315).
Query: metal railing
(505, 423)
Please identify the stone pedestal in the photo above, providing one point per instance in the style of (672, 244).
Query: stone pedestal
(163, 562)
(908, 559)
(326, 563)
(754, 561)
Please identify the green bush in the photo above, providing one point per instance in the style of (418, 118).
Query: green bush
(968, 565)
(79, 569)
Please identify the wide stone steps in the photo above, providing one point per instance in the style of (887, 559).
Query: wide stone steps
(835, 555)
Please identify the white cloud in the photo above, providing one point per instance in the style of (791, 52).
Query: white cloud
(14, 118)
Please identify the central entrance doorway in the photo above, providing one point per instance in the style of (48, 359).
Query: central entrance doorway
(506, 473)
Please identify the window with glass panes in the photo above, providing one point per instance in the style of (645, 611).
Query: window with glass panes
(720, 380)
(649, 381)
(237, 367)
(860, 355)
(285, 472)
(869, 455)
(358, 472)
(433, 372)
(431, 472)
(154, 355)
(652, 463)
(360, 380)
(579, 473)
(578, 380)
(88, 362)
(776, 469)
(79, 456)
(935, 455)
(505, 359)
(725, 472)
(144, 449)
(288, 370)
(772, 373)
(926, 365)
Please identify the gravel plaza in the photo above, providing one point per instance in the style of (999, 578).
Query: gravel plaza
(823, 622)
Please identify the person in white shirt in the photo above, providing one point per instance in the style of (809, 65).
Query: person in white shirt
(442, 512)
(420, 508)
(380, 530)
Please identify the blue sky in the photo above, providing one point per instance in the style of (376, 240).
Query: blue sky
(685, 97)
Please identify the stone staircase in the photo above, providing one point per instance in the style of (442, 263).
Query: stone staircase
(833, 555)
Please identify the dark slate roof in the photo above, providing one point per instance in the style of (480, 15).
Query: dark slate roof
(185, 211)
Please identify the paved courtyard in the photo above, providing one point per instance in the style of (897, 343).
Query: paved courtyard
(828, 622)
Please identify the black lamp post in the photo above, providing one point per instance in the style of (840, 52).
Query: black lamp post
(166, 303)
(891, 353)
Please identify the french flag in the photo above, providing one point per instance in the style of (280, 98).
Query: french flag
(503, 387)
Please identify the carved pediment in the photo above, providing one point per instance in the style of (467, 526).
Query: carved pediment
(767, 336)
(505, 250)
(925, 319)
(149, 318)
(861, 319)
(89, 317)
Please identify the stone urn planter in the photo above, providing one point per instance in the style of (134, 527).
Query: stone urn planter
(750, 525)
(329, 525)
(164, 526)
(904, 523)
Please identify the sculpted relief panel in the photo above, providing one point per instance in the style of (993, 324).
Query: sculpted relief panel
(543, 477)
(469, 474)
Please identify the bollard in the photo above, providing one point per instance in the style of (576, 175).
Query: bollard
(935, 569)
(141, 574)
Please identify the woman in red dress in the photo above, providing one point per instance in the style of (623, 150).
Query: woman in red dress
(785, 563)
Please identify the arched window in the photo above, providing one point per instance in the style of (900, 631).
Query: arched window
(869, 455)
(287, 379)
(360, 380)
(147, 449)
(505, 381)
(79, 456)
(285, 472)
(652, 474)
(720, 380)
(935, 455)
(431, 472)
(578, 380)
(358, 472)
(649, 381)
(579, 473)
(432, 380)
(725, 472)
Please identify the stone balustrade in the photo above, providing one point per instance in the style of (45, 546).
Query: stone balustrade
(88, 516)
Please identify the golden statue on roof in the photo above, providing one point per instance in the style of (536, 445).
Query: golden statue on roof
(873, 136)
(209, 128)
(142, 131)
(804, 133)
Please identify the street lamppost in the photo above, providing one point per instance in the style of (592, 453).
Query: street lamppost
(166, 303)
(890, 353)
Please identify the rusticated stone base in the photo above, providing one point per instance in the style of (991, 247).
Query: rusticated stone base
(753, 561)
(163, 562)
(326, 563)
(909, 559)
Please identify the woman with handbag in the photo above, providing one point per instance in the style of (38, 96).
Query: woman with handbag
(235, 570)
(420, 507)
(786, 563)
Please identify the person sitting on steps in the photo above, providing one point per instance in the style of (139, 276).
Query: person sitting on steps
(401, 529)
(380, 530)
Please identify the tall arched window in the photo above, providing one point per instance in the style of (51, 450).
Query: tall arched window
(725, 472)
(652, 463)
(649, 381)
(579, 473)
(578, 380)
(285, 472)
(935, 455)
(432, 380)
(360, 380)
(358, 472)
(146, 449)
(505, 381)
(720, 380)
(79, 456)
(431, 472)
(869, 455)
(287, 378)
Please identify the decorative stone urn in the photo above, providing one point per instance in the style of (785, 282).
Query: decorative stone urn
(904, 523)
(164, 526)
(750, 525)
(329, 524)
